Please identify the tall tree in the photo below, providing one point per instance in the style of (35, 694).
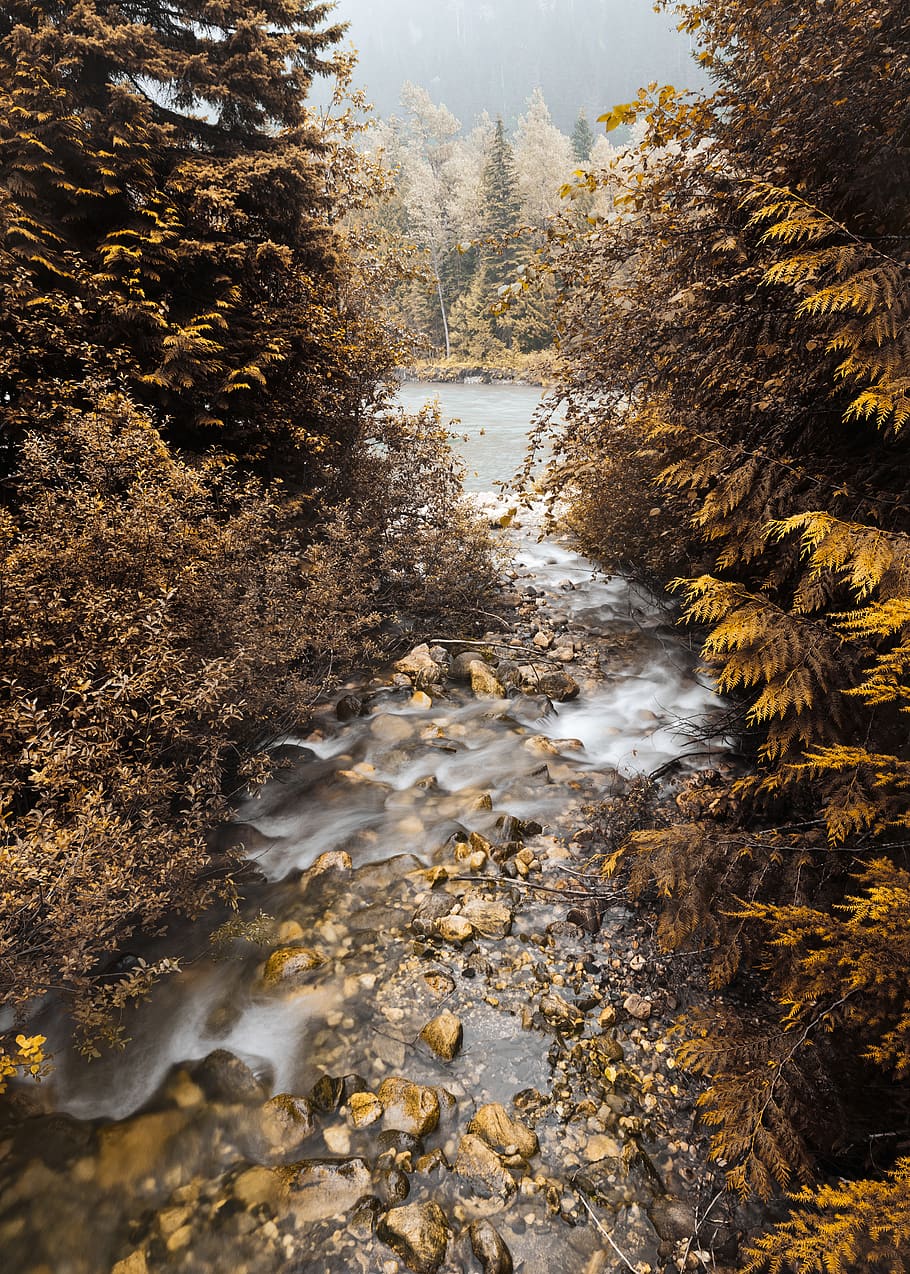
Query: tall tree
(160, 165)
(582, 139)
(543, 161)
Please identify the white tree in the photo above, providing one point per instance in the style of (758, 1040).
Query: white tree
(544, 161)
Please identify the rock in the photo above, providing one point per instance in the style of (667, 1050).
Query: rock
(607, 1017)
(443, 1035)
(291, 966)
(673, 1219)
(421, 667)
(365, 1109)
(463, 665)
(485, 683)
(394, 1186)
(434, 1162)
(501, 1132)
(287, 1121)
(488, 1247)
(424, 919)
(558, 686)
(348, 707)
(638, 1007)
(400, 1142)
(135, 1263)
(540, 745)
(289, 932)
(322, 1188)
(556, 1010)
(408, 1106)
(542, 640)
(337, 1140)
(327, 1093)
(363, 1220)
(440, 984)
(421, 700)
(565, 654)
(491, 919)
(454, 929)
(602, 1147)
(335, 860)
(509, 673)
(483, 1170)
(224, 1077)
(418, 1233)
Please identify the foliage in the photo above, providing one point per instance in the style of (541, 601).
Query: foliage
(207, 509)
(735, 317)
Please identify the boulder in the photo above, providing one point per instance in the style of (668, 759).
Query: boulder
(348, 707)
(225, 1078)
(483, 1170)
(332, 862)
(443, 1035)
(418, 1233)
(421, 667)
(291, 966)
(488, 1247)
(408, 1107)
(502, 1133)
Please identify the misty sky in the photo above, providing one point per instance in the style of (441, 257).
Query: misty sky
(490, 55)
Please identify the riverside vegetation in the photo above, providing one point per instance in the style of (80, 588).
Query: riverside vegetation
(739, 380)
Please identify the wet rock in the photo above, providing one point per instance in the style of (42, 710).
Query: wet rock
(419, 1234)
(409, 1107)
(365, 1109)
(225, 1078)
(291, 966)
(563, 1015)
(558, 686)
(287, 1121)
(463, 665)
(365, 1217)
(400, 1142)
(540, 745)
(327, 1093)
(334, 861)
(426, 915)
(337, 1140)
(673, 1219)
(485, 684)
(602, 1147)
(454, 928)
(421, 700)
(488, 1247)
(133, 1149)
(353, 1084)
(542, 640)
(443, 1035)
(503, 1133)
(421, 667)
(394, 1186)
(322, 1188)
(440, 984)
(509, 673)
(483, 1170)
(433, 1163)
(490, 918)
(638, 1007)
(348, 707)
(135, 1263)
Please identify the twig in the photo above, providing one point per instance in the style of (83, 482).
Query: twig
(606, 1234)
(522, 884)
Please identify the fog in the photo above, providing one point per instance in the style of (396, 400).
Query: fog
(477, 55)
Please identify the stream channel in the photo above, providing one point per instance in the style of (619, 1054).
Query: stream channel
(279, 1106)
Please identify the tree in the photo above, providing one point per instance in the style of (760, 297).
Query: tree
(582, 139)
(736, 323)
(543, 162)
(166, 222)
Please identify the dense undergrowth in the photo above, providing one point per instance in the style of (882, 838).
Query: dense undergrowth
(209, 511)
(739, 381)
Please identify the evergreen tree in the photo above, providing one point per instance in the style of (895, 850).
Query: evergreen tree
(501, 211)
(582, 139)
(166, 222)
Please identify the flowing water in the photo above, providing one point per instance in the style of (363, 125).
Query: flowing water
(447, 804)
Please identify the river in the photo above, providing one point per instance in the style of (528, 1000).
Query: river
(440, 824)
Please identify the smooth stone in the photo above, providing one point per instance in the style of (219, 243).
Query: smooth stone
(421, 700)
(556, 1010)
(337, 1140)
(365, 1109)
(485, 684)
(421, 667)
(558, 686)
(287, 1121)
(477, 1164)
(463, 665)
(291, 966)
(323, 1188)
(394, 1186)
(333, 860)
(500, 1131)
(426, 915)
(224, 1077)
(419, 1233)
(348, 707)
(488, 1247)
(327, 1093)
(454, 929)
(541, 745)
(135, 1263)
(443, 1035)
(408, 1107)
(602, 1147)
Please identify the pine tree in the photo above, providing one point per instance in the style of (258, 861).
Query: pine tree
(582, 139)
(501, 210)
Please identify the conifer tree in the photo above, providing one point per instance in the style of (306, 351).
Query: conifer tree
(501, 210)
(582, 139)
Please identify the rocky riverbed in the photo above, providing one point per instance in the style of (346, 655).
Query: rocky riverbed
(421, 1044)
